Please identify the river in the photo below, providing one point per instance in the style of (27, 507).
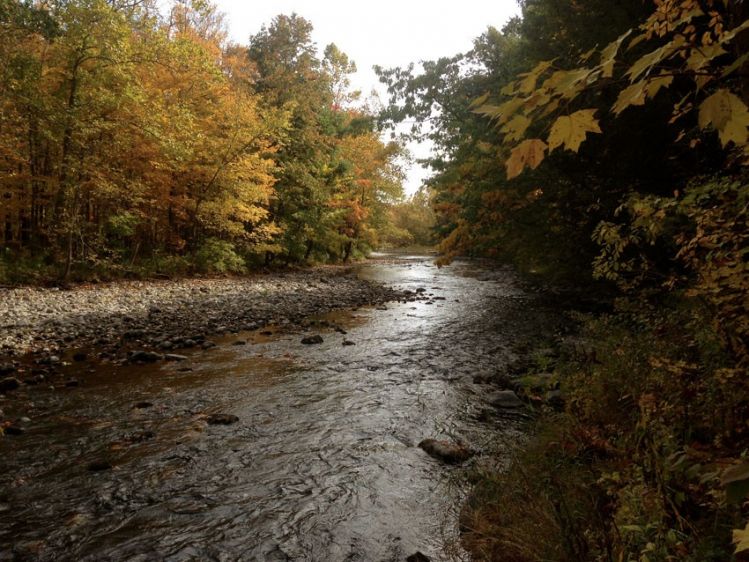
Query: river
(322, 464)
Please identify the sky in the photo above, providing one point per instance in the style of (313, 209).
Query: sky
(380, 32)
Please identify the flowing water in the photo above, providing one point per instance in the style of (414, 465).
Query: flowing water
(322, 464)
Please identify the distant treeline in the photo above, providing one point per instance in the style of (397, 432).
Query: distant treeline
(135, 139)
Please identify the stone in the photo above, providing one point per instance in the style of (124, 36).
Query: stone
(9, 383)
(311, 340)
(7, 369)
(506, 399)
(99, 466)
(175, 357)
(446, 451)
(142, 405)
(221, 419)
(348, 342)
(14, 430)
(72, 383)
(145, 357)
(418, 557)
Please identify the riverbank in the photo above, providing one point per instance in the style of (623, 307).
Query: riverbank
(168, 315)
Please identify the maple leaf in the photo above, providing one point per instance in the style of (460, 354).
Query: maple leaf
(631, 95)
(571, 130)
(516, 127)
(528, 154)
(727, 114)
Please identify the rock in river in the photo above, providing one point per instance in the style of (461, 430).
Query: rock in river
(506, 399)
(9, 383)
(309, 340)
(452, 453)
(221, 419)
(418, 557)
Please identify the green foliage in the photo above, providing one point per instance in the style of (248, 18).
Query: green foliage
(218, 256)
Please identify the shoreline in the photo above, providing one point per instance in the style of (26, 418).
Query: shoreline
(47, 324)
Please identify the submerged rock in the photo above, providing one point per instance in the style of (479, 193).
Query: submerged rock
(506, 399)
(446, 451)
(145, 357)
(99, 465)
(14, 430)
(221, 419)
(418, 557)
(9, 383)
(309, 340)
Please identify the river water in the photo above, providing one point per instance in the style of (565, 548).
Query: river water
(322, 464)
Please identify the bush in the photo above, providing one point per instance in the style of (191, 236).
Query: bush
(219, 256)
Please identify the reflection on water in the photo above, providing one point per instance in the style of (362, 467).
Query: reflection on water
(322, 464)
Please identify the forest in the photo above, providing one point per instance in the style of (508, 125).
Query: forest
(597, 149)
(139, 142)
(603, 146)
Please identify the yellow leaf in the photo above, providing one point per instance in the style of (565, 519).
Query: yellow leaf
(568, 83)
(480, 100)
(528, 84)
(528, 154)
(701, 56)
(631, 95)
(515, 129)
(646, 63)
(571, 130)
(654, 85)
(502, 113)
(741, 539)
(727, 114)
(608, 55)
(586, 55)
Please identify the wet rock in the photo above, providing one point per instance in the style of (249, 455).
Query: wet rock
(99, 466)
(311, 340)
(7, 369)
(221, 419)
(145, 357)
(505, 399)
(175, 357)
(446, 451)
(143, 405)
(348, 342)
(9, 383)
(418, 557)
(208, 345)
(240, 342)
(555, 399)
(14, 430)
(141, 436)
(24, 419)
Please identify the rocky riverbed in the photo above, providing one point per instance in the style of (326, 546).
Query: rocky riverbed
(338, 436)
(170, 315)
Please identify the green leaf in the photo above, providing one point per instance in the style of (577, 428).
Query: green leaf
(736, 481)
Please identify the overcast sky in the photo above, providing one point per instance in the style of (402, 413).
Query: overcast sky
(384, 32)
